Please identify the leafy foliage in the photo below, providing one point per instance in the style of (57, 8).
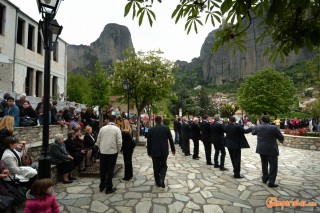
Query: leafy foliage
(99, 87)
(77, 87)
(149, 75)
(266, 92)
(228, 110)
(292, 24)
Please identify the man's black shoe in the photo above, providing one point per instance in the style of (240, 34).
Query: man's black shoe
(72, 178)
(101, 189)
(195, 158)
(238, 176)
(216, 166)
(223, 169)
(272, 185)
(162, 185)
(265, 181)
(111, 191)
(187, 154)
(209, 163)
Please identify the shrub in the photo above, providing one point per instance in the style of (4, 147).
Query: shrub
(166, 121)
(299, 132)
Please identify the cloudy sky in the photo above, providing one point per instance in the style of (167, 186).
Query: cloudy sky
(84, 20)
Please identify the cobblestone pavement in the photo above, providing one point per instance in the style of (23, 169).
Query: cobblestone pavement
(193, 186)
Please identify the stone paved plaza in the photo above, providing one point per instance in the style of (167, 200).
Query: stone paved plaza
(193, 186)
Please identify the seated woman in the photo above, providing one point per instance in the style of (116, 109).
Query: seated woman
(11, 159)
(6, 129)
(75, 151)
(28, 116)
(61, 157)
(89, 144)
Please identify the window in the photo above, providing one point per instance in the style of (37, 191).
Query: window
(39, 46)
(28, 83)
(54, 87)
(2, 19)
(55, 51)
(39, 80)
(30, 45)
(20, 30)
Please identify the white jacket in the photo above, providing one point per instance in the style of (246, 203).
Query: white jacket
(109, 139)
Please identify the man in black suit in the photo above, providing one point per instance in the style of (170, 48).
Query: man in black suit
(267, 147)
(176, 127)
(206, 138)
(235, 141)
(185, 136)
(158, 150)
(217, 138)
(195, 136)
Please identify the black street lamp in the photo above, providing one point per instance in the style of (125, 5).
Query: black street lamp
(128, 88)
(49, 30)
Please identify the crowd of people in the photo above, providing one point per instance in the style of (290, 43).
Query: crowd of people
(230, 134)
(116, 136)
(25, 115)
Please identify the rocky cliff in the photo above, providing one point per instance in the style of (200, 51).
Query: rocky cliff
(107, 49)
(223, 66)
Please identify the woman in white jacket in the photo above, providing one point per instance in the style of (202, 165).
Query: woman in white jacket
(11, 159)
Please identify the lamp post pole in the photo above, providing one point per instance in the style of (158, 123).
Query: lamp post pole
(50, 30)
(128, 94)
(44, 160)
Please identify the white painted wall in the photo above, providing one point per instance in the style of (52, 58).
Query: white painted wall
(24, 57)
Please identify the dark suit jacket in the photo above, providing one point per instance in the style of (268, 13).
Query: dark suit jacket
(195, 131)
(88, 141)
(205, 131)
(267, 136)
(185, 131)
(157, 142)
(217, 133)
(235, 138)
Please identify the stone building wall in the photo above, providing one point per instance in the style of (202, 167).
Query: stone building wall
(302, 142)
(6, 76)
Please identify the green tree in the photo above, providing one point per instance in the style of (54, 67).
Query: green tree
(266, 92)
(77, 88)
(227, 110)
(292, 24)
(150, 76)
(99, 89)
(204, 103)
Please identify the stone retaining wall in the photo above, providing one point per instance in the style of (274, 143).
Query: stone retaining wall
(33, 137)
(301, 142)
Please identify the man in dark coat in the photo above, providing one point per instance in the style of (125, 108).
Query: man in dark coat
(206, 138)
(217, 138)
(177, 129)
(195, 136)
(158, 150)
(185, 136)
(235, 141)
(267, 147)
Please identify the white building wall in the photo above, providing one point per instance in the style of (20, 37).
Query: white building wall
(22, 57)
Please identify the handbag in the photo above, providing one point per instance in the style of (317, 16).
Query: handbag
(17, 192)
(25, 157)
(5, 202)
(133, 143)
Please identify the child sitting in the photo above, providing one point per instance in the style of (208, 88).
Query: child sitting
(40, 197)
